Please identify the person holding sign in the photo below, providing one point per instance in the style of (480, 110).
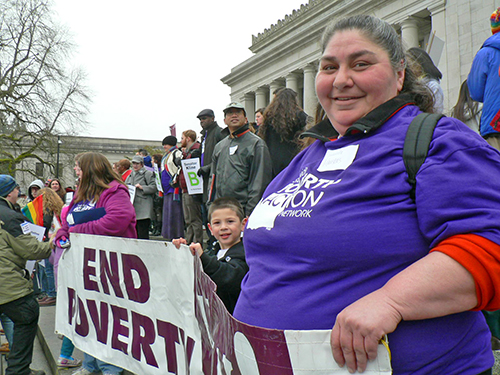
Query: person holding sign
(191, 203)
(337, 240)
(101, 206)
(145, 187)
(226, 266)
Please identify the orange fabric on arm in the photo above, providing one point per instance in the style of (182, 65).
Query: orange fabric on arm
(481, 257)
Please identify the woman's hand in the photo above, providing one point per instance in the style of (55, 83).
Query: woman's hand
(178, 242)
(52, 239)
(139, 186)
(359, 328)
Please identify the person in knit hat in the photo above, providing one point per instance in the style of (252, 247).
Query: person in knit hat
(484, 81)
(7, 184)
(16, 291)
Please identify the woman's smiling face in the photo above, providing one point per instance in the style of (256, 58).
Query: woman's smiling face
(355, 76)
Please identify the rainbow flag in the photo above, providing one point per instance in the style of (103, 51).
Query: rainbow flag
(34, 211)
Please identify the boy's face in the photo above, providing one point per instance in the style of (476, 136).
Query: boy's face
(226, 227)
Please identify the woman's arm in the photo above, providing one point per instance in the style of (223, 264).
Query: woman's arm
(434, 286)
(119, 214)
(149, 186)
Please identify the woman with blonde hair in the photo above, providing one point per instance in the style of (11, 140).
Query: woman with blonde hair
(52, 205)
(100, 189)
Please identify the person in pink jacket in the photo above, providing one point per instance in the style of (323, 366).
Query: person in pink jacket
(101, 206)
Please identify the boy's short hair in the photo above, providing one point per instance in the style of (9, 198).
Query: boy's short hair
(226, 202)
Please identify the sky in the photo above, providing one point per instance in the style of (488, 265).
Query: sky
(153, 63)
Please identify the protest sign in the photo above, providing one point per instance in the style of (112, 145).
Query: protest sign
(131, 191)
(194, 182)
(157, 177)
(149, 308)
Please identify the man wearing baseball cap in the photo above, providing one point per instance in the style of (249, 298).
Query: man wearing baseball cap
(16, 294)
(241, 164)
(210, 136)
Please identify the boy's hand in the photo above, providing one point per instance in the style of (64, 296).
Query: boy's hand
(178, 242)
(196, 249)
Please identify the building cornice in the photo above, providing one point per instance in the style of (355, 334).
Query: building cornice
(283, 23)
(303, 28)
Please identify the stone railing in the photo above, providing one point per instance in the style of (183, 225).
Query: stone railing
(304, 8)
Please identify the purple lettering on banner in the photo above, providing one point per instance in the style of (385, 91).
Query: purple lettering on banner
(133, 262)
(89, 256)
(188, 344)
(82, 327)
(145, 341)
(119, 314)
(110, 273)
(171, 335)
(101, 325)
(71, 305)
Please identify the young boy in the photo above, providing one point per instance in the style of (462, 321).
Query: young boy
(228, 266)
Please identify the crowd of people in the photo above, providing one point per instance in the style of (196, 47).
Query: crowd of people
(332, 235)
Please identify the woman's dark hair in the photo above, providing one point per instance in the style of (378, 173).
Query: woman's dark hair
(61, 192)
(97, 174)
(466, 108)
(157, 159)
(282, 115)
(384, 35)
(425, 61)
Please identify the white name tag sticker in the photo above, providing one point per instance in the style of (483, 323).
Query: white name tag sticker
(232, 150)
(338, 159)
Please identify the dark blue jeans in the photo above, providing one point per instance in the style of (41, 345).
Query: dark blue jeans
(47, 278)
(24, 313)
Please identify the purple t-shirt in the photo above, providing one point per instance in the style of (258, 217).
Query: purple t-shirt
(339, 222)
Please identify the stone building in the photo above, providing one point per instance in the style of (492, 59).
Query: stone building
(287, 54)
(69, 146)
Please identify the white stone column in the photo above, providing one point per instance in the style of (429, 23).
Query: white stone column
(260, 98)
(409, 32)
(249, 104)
(273, 86)
(292, 82)
(310, 100)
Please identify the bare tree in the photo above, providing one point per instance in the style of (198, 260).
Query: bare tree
(39, 97)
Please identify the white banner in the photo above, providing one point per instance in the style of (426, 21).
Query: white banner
(149, 308)
(193, 181)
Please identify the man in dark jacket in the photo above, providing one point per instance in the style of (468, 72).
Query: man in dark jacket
(210, 136)
(241, 164)
(16, 292)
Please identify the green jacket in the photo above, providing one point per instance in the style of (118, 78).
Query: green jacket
(14, 252)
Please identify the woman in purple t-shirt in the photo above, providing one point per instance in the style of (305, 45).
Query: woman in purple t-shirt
(337, 241)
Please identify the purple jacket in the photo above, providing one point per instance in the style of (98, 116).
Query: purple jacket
(338, 223)
(119, 220)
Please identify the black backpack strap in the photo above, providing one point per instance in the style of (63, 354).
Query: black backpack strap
(416, 146)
